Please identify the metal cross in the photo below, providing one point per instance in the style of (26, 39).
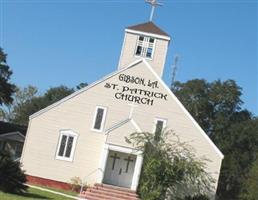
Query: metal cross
(154, 4)
(128, 163)
(114, 160)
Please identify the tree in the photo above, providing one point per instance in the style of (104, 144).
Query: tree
(211, 103)
(81, 85)
(240, 146)
(216, 106)
(20, 96)
(56, 93)
(6, 88)
(170, 168)
(34, 104)
(250, 186)
(12, 178)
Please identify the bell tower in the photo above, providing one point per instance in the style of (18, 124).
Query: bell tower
(146, 41)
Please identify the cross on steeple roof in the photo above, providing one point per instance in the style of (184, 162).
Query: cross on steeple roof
(154, 4)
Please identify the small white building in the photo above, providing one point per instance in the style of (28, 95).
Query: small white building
(84, 134)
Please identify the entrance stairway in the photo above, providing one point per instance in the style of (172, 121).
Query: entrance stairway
(108, 192)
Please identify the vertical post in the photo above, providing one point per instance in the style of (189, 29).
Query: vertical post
(137, 171)
(153, 4)
(152, 12)
(103, 162)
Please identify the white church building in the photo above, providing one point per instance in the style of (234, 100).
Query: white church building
(83, 135)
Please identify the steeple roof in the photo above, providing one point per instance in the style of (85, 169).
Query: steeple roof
(148, 27)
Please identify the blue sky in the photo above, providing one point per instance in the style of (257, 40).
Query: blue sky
(54, 42)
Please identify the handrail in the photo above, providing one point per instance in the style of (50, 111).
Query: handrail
(87, 176)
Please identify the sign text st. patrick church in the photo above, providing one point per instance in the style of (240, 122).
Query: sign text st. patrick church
(126, 90)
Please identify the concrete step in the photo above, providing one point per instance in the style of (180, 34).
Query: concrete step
(112, 193)
(114, 190)
(91, 195)
(108, 192)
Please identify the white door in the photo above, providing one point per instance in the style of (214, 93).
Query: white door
(119, 169)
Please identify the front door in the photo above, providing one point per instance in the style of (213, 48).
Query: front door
(119, 169)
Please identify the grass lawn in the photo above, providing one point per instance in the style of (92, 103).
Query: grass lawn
(69, 192)
(33, 194)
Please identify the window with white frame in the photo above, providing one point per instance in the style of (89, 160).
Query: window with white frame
(99, 118)
(160, 124)
(66, 145)
(145, 47)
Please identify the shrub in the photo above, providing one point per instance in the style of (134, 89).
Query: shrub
(170, 168)
(12, 178)
(76, 184)
(197, 197)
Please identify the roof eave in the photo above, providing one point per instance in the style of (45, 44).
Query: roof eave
(148, 34)
(83, 89)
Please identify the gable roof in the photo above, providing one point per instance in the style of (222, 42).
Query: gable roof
(159, 80)
(6, 127)
(148, 27)
(84, 89)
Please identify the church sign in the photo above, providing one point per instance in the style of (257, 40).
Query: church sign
(126, 89)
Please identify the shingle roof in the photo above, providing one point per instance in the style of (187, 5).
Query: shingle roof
(6, 127)
(148, 27)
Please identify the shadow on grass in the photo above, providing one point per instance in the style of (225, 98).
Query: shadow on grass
(35, 196)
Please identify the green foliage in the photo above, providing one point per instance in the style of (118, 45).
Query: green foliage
(216, 106)
(213, 105)
(6, 88)
(250, 186)
(170, 167)
(36, 103)
(240, 145)
(197, 197)
(56, 93)
(33, 194)
(20, 97)
(12, 178)
(81, 85)
(26, 102)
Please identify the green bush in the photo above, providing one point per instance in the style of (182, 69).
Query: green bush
(170, 168)
(197, 197)
(12, 178)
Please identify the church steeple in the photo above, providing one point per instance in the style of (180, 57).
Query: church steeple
(145, 41)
